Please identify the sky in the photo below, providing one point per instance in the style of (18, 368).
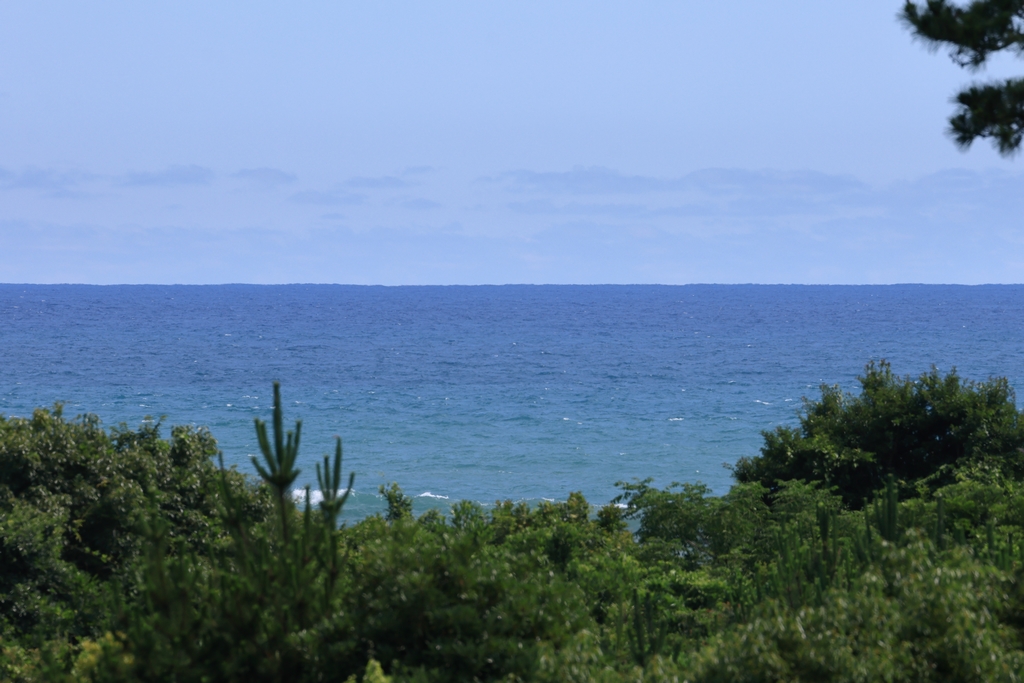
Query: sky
(468, 143)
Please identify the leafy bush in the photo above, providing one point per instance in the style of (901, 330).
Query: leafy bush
(912, 618)
(923, 430)
(299, 599)
(449, 604)
(73, 499)
(200, 576)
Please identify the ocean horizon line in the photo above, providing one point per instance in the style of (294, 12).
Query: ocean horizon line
(513, 284)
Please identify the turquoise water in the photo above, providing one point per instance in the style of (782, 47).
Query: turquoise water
(486, 393)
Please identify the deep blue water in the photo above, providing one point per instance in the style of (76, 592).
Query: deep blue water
(485, 393)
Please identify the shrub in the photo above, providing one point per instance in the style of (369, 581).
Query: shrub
(913, 617)
(73, 498)
(918, 430)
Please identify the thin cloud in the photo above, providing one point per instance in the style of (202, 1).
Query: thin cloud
(172, 176)
(581, 180)
(420, 204)
(387, 182)
(336, 198)
(606, 181)
(267, 177)
(707, 194)
(53, 182)
(541, 207)
(765, 182)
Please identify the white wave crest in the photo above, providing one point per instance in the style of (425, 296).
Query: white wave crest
(315, 496)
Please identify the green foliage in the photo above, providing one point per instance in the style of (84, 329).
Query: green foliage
(299, 599)
(973, 33)
(647, 637)
(685, 524)
(329, 479)
(279, 473)
(399, 504)
(780, 579)
(676, 520)
(248, 611)
(921, 431)
(73, 499)
(374, 674)
(583, 660)
(450, 604)
(41, 592)
(913, 617)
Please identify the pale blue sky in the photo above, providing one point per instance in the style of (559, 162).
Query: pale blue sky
(459, 142)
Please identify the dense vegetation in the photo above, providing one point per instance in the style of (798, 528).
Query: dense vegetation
(878, 540)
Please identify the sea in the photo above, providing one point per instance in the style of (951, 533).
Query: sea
(489, 393)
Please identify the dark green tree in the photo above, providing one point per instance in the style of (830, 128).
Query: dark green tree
(73, 498)
(972, 33)
(923, 431)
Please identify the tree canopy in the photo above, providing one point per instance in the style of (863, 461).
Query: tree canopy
(972, 33)
(923, 431)
(125, 557)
